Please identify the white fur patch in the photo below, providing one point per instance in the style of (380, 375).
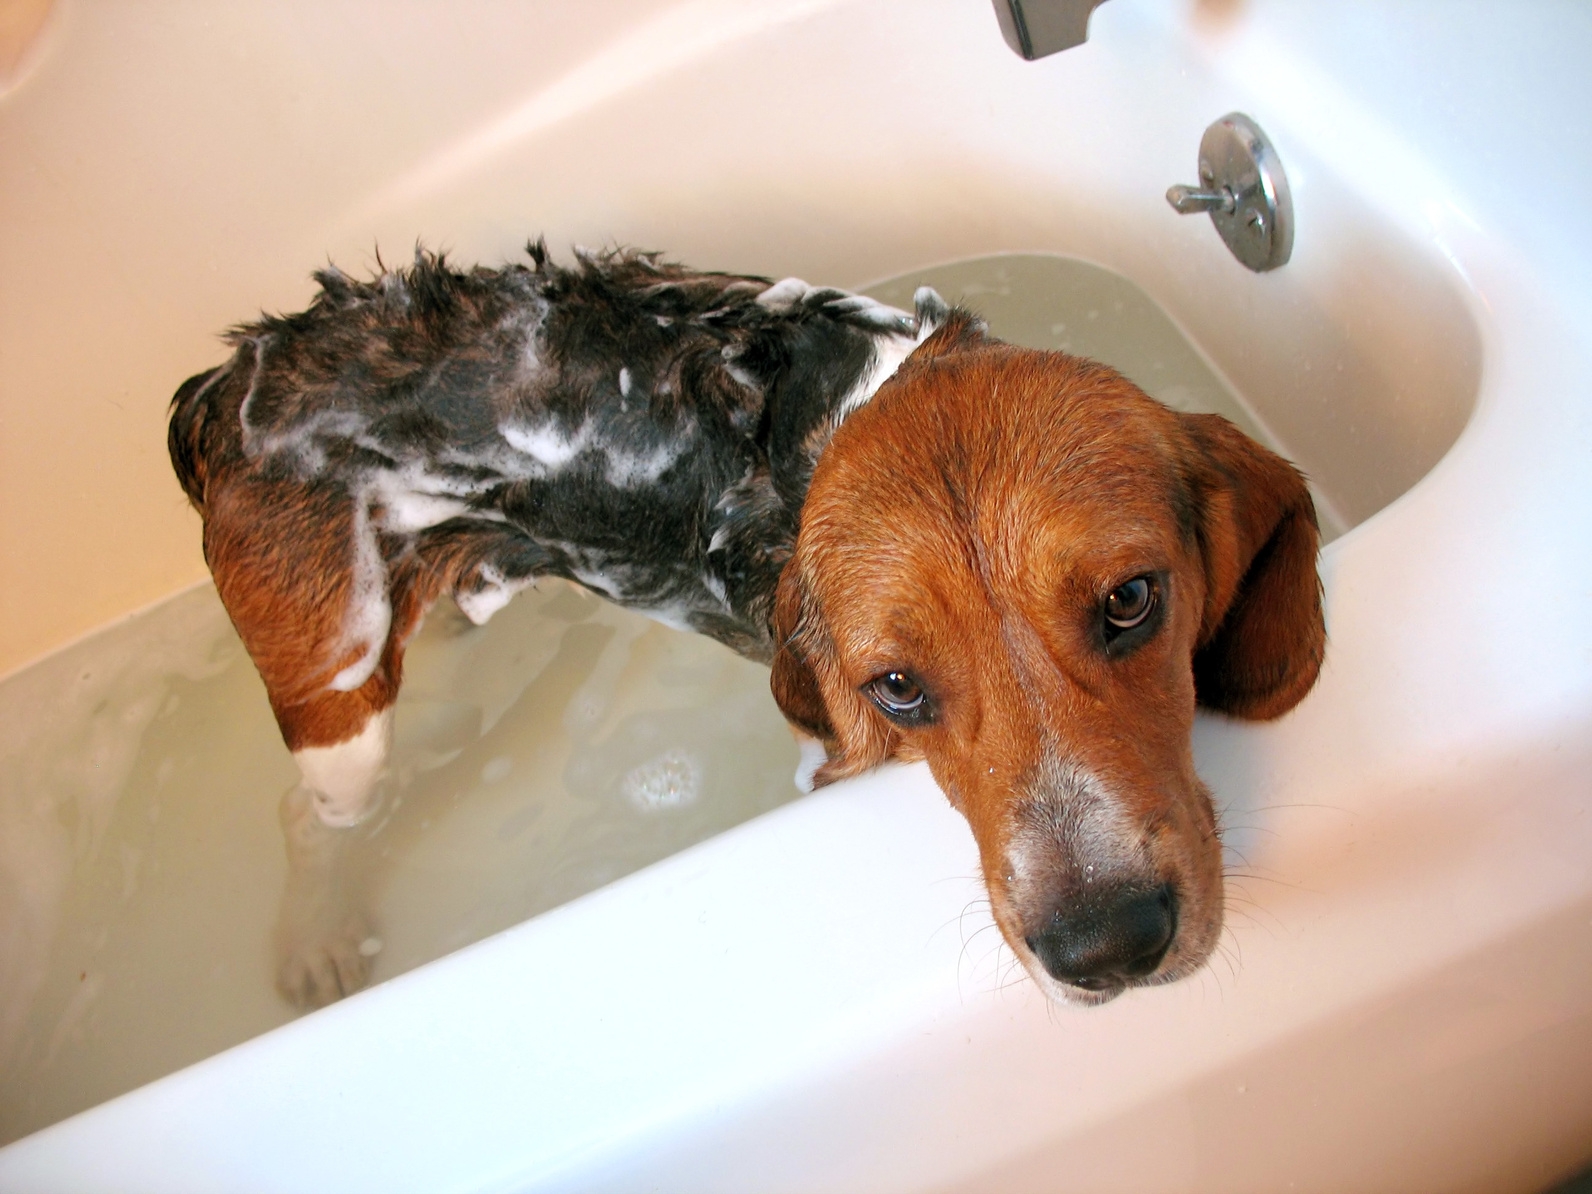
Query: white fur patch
(739, 375)
(412, 500)
(1073, 817)
(554, 450)
(344, 776)
(547, 445)
(888, 353)
(495, 592)
(931, 309)
(369, 613)
(528, 320)
(784, 294)
(244, 420)
(675, 617)
(813, 756)
(871, 310)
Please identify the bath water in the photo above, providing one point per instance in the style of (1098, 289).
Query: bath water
(563, 745)
(1065, 305)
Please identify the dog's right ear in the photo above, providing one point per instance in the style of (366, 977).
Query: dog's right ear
(793, 681)
(1261, 645)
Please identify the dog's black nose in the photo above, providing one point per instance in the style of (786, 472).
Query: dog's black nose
(1098, 941)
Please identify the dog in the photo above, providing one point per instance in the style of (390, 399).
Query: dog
(1012, 564)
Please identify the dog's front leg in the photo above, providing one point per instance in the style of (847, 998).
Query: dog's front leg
(324, 941)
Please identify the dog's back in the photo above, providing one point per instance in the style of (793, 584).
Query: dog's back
(639, 428)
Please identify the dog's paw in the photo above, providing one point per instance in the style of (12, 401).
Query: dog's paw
(324, 943)
(320, 964)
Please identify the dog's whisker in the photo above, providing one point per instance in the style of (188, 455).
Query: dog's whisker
(1266, 808)
(1234, 875)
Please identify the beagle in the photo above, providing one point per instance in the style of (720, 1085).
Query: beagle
(1012, 564)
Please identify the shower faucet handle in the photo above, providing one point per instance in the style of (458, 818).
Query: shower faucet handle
(1243, 187)
(1188, 200)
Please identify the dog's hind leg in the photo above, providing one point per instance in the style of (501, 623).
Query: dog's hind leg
(301, 571)
(325, 618)
(324, 939)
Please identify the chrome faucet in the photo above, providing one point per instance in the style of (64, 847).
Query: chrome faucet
(1035, 28)
(1243, 187)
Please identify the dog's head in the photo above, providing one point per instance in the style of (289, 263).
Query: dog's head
(1019, 567)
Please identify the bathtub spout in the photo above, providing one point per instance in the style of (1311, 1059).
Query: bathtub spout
(1035, 28)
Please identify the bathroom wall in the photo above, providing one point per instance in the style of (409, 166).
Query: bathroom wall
(167, 170)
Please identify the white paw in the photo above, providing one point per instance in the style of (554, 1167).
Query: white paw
(318, 964)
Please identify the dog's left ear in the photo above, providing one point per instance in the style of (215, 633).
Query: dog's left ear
(792, 679)
(804, 666)
(1262, 638)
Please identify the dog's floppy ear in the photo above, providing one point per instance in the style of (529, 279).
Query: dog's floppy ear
(804, 666)
(1262, 637)
(792, 679)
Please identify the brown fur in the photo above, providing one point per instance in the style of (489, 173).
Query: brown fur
(966, 526)
(279, 553)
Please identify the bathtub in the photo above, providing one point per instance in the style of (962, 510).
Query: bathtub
(816, 999)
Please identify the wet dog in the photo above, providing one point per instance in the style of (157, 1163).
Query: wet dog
(1010, 563)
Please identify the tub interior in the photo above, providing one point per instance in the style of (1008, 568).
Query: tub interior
(1052, 302)
(563, 745)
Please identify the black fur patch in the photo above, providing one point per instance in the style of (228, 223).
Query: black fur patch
(643, 429)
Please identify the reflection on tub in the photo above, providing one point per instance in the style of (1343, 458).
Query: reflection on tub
(563, 745)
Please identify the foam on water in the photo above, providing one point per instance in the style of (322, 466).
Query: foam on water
(672, 780)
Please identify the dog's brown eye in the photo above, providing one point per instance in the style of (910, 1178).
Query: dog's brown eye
(897, 694)
(1129, 604)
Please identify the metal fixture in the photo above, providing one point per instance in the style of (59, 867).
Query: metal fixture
(1035, 28)
(1243, 187)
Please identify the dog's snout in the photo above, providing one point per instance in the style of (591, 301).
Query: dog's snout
(1102, 939)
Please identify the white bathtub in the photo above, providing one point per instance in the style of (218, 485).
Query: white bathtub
(815, 1000)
